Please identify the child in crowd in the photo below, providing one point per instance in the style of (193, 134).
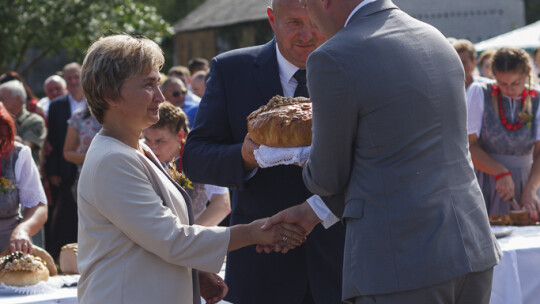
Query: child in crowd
(166, 139)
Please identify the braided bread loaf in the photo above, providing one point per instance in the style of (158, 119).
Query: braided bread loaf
(283, 122)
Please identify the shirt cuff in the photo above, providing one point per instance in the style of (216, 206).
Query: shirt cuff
(322, 211)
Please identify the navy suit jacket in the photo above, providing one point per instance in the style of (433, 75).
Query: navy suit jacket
(240, 82)
(56, 165)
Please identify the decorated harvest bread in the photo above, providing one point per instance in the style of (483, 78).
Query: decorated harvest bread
(68, 258)
(19, 269)
(283, 122)
(500, 220)
(41, 253)
(520, 218)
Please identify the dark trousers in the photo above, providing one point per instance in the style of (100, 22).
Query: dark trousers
(472, 288)
(64, 221)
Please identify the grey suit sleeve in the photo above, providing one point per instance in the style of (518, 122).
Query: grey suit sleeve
(335, 121)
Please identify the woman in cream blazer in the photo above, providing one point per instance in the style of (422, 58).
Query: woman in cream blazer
(136, 241)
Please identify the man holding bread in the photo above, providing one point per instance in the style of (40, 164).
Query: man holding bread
(218, 152)
(390, 156)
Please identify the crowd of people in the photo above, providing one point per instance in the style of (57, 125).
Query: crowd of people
(140, 168)
(57, 131)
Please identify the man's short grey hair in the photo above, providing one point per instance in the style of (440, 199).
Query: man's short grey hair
(15, 88)
(172, 80)
(55, 78)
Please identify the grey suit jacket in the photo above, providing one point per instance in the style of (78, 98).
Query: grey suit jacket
(390, 153)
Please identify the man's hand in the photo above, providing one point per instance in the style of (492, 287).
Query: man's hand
(285, 236)
(301, 215)
(213, 288)
(248, 157)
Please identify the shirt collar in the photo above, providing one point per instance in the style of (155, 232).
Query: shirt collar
(359, 6)
(72, 99)
(286, 69)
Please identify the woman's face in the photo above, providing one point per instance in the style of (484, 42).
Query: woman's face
(485, 69)
(164, 143)
(512, 83)
(139, 100)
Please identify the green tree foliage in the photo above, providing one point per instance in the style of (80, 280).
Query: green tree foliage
(50, 25)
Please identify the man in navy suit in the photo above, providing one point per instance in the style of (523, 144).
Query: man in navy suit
(218, 152)
(62, 226)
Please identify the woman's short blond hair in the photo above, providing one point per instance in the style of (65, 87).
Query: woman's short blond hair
(112, 60)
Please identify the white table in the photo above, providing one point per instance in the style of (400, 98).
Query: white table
(516, 280)
(61, 295)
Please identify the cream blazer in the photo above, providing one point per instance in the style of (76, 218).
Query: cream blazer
(135, 244)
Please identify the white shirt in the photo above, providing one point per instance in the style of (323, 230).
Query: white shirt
(475, 106)
(44, 104)
(359, 6)
(31, 191)
(192, 97)
(289, 84)
(213, 189)
(75, 105)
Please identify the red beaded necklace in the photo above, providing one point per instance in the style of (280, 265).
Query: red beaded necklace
(508, 125)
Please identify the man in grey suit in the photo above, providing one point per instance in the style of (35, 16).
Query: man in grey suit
(390, 156)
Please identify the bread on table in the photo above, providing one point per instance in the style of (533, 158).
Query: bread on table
(283, 122)
(19, 269)
(68, 259)
(521, 218)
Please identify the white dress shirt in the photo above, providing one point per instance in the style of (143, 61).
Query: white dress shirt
(75, 105)
(289, 84)
(359, 6)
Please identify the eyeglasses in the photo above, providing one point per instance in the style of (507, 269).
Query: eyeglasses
(177, 93)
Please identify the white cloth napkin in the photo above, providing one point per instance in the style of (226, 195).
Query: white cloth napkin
(270, 156)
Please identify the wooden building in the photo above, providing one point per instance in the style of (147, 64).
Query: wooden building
(217, 26)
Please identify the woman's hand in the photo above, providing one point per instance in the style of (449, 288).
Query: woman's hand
(531, 203)
(20, 241)
(505, 187)
(285, 235)
(213, 288)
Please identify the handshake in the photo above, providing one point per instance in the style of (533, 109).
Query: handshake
(285, 230)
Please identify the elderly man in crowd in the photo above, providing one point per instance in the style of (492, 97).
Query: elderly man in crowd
(54, 86)
(240, 82)
(30, 126)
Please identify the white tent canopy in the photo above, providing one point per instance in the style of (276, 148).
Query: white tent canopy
(527, 37)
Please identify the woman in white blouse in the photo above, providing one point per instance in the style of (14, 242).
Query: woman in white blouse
(136, 240)
(504, 134)
(20, 186)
